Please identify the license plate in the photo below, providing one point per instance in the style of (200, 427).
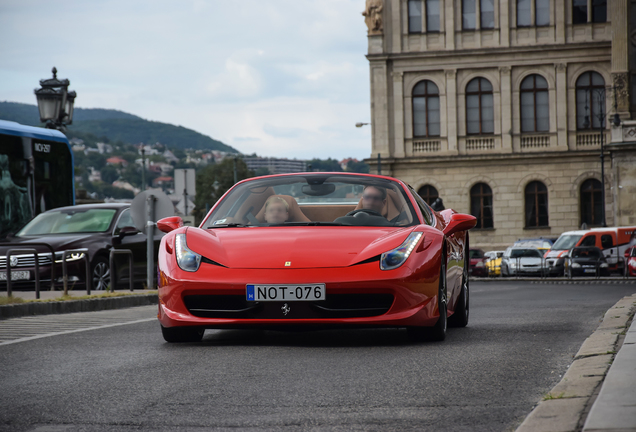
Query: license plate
(16, 275)
(305, 292)
(589, 271)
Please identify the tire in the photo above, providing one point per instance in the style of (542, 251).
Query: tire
(182, 334)
(436, 333)
(100, 273)
(462, 308)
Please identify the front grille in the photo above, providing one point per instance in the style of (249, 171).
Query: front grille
(27, 260)
(336, 306)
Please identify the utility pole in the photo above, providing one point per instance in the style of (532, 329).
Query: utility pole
(143, 168)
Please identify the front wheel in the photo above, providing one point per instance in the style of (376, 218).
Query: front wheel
(460, 316)
(436, 333)
(182, 334)
(101, 274)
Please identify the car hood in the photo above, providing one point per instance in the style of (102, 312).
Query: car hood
(57, 242)
(294, 247)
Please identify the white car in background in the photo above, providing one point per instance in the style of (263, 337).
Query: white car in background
(522, 261)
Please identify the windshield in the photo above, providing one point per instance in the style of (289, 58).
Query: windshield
(69, 221)
(525, 253)
(476, 253)
(314, 199)
(566, 242)
(586, 253)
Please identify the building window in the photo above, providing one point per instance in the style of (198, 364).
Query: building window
(536, 205)
(479, 107)
(535, 115)
(426, 119)
(590, 94)
(415, 16)
(481, 205)
(432, 16)
(469, 14)
(580, 10)
(487, 14)
(418, 8)
(541, 13)
(523, 13)
(591, 202)
(599, 11)
(428, 193)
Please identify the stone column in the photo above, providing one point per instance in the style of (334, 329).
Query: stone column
(398, 114)
(559, 21)
(451, 110)
(506, 109)
(449, 24)
(504, 23)
(618, 14)
(562, 105)
(379, 110)
(396, 27)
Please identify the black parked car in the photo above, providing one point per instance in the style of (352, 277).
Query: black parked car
(586, 261)
(96, 227)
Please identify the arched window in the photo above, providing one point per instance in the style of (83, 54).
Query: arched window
(536, 205)
(591, 202)
(479, 107)
(590, 93)
(426, 109)
(481, 205)
(535, 111)
(428, 193)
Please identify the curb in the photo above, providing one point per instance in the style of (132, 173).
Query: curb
(568, 402)
(69, 306)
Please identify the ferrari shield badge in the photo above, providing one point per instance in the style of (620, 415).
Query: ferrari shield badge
(287, 263)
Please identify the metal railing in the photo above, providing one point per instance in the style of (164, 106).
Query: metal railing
(84, 257)
(49, 247)
(127, 252)
(37, 269)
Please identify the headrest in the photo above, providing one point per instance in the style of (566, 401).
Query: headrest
(295, 213)
(390, 210)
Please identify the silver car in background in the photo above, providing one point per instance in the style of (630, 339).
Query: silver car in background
(518, 261)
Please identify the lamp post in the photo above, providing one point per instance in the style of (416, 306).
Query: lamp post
(55, 102)
(616, 121)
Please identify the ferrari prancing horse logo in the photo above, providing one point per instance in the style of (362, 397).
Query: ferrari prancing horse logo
(285, 309)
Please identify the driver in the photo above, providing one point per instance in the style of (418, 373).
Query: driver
(276, 210)
(374, 198)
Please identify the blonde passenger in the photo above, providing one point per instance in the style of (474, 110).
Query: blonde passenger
(276, 210)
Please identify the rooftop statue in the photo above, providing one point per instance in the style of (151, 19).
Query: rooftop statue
(373, 16)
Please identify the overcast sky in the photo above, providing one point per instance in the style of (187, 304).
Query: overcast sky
(284, 78)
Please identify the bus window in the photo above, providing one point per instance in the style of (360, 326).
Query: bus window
(15, 207)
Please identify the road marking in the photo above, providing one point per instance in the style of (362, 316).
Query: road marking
(25, 339)
(24, 329)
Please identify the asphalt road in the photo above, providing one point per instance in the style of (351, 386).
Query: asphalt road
(486, 377)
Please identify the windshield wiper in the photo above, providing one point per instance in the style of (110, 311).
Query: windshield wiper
(313, 223)
(229, 225)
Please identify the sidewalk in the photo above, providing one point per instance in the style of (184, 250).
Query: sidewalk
(49, 305)
(597, 365)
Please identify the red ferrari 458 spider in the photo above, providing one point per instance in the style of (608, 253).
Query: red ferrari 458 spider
(315, 250)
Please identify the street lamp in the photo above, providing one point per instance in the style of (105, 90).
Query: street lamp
(616, 121)
(55, 102)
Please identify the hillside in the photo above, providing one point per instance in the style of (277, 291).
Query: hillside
(118, 126)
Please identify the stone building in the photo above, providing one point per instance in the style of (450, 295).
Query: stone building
(496, 106)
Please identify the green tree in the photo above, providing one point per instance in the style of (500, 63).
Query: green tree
(132, 174)
(357, 167)
(328, 165)
(223, 174)
(262, 171)
(109, 174)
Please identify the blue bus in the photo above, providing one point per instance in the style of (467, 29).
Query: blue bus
(36, 173)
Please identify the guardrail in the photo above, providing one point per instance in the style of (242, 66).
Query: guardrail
(127, 252)
(37, 269)
(89, 279)
(49, 247)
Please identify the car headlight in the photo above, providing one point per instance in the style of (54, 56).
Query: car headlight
(603, 265)
(512, 264)
(70, 257)
(186, 259)
(576, 265)
(395, 258)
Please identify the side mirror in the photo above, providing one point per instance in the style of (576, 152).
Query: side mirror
(460, 222)
(126, 231)
(169, 224)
